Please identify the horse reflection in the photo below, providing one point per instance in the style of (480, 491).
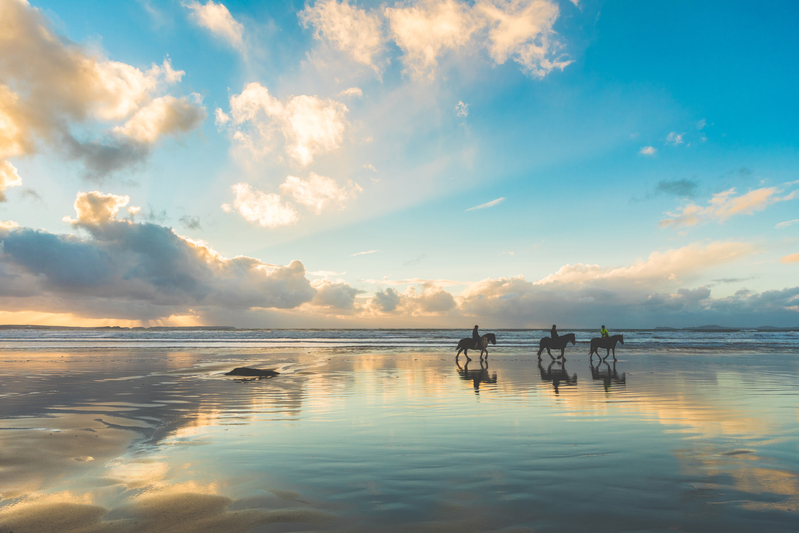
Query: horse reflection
(607, 374)
(557, 375)
(476, 376)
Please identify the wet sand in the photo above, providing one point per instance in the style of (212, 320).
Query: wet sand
(149, 440)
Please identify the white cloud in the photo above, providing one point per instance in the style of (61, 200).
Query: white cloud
(660, 266)
(792, 258)
(347, 28)
(365, 253)
(492, 203)
(334, 295)
(352, 91)
(523, 30)
(461, 109)
(309, 125)
(8, 224)
(701, 124)
(8, 178)
(370, 166)
(48, 86)
(217, 19)
(674, 138)
(96, 208)
(318, 192)
(427, 29)
(648, 150)
(724, 205)
(787, 223)
(265, 209)
(164, 116)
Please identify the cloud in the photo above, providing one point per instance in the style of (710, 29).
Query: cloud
(347, 29)
(724, 205)
(682, 188)
(370, 166)
(659, 267)
(50, 86)
(8, 178)
(461, 109)
(516, 302)
(217, 19)
(787, 223)
(309, 125)
(792, 258)
(492, 203)
(166, 115)
(365, 253)
(334, 295)
(190, 222)
(523, 30)
(136, 271)
(701, 124)
(648, 150)
(96, 209)
(427, 30)
(674, 138)
(317, 192)
(352, 91)
(265, 209)
(385, 301)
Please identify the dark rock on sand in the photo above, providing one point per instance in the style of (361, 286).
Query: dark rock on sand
(252, 372)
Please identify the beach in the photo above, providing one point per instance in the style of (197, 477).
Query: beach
(106, 430)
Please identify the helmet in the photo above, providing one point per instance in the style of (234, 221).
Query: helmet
(603, 325)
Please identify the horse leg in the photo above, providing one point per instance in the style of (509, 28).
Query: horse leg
(550, 354)
(563, 353)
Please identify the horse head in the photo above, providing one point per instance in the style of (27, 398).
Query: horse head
(491, 337)
(621, 339)
(571, 338)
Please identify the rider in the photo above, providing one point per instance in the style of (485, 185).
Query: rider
(476, 337)
(554, 332)
(604, 332)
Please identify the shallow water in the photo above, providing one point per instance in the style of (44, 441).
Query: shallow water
(398, 440)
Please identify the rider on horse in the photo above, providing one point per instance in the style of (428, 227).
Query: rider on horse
(554, 332)
(476, 337)
(604, 332)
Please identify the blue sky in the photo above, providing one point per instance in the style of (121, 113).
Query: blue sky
(645, 155)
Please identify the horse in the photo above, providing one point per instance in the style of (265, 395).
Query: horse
(464, 345)
(608, 343)
(559, 344)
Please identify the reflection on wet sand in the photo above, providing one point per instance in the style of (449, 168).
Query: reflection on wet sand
(476, 376)
(557, 374)
(364, 442)
(607, 374)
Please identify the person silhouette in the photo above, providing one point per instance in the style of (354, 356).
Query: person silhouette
(603, 332)
(476, 337)
(554, 333)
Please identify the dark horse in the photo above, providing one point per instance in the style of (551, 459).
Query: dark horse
(609, 343)
(558, 344)
(464, 345)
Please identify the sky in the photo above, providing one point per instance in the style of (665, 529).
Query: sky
(431, 163)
